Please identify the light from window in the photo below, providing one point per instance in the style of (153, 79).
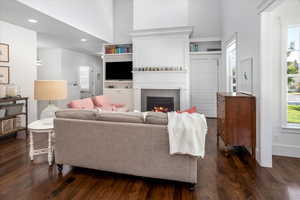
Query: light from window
(293, 75)
(231, 65)
(84, 77)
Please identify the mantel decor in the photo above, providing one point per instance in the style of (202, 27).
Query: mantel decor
(4, 52)
(161, 69)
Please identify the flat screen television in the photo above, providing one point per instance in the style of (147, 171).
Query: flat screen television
(118, 71)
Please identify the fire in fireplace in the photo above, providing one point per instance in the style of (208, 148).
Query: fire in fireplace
(160, 109)
(160, 104)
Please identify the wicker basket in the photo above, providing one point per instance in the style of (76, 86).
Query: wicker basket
(7, 126)
(17, 122)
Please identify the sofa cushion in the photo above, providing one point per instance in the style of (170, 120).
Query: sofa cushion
(156, 118)
(76, 114)
(128, 117)
(86, 103)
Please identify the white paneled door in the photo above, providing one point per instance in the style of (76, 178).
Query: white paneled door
(204, 76)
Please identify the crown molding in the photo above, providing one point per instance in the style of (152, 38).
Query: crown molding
(183, 30)
(265, 5)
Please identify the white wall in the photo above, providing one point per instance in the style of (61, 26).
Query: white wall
(159, 14)
(205, 16)
(23, 45)
(123, 20)
(63, 64)
(94, 16)
(242, 17)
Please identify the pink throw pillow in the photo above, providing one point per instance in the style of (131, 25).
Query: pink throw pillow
(191, 110)
(82, 104)
(100, 101)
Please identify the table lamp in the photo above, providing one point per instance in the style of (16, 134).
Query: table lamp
(50, 90)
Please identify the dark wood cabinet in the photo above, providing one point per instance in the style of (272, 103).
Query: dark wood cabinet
(236, 114)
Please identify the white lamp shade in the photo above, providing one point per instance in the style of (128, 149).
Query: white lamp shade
(49, 90)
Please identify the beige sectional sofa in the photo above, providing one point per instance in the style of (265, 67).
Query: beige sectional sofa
(127, 143)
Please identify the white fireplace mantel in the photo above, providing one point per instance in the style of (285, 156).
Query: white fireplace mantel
(161, 81)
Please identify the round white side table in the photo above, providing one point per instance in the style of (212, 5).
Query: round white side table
(44, 126)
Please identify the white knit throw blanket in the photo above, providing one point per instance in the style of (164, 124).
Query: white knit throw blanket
(187, 133)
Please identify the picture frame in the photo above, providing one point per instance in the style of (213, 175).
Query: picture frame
(4, 52)
(4, 75)
(245, 76)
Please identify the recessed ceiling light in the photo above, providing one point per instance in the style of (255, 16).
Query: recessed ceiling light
(83, 40)
(34, 21)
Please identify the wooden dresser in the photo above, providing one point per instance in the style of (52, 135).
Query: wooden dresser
(236, 114)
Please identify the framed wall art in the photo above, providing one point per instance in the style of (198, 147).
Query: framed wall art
(4, 52)
(4, 75)
(245, 76)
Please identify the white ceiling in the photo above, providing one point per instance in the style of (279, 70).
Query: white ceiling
(51, 32)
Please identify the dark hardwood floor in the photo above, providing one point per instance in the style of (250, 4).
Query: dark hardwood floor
(219, 177)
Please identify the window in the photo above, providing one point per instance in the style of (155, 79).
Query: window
(84, 78)
(231, 62)
(292, 80)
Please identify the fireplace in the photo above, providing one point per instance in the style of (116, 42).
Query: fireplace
(160, 104)
(160, 100)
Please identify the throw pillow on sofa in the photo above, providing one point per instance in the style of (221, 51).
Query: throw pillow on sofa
(86, 103)
(103, 103)
(100, 101)
(191, 110)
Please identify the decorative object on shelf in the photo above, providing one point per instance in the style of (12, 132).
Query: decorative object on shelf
(12, 90)
(118, 49)
(194, 47)
(4, 75)
(4, 52)
(50, 90)
(157, 69)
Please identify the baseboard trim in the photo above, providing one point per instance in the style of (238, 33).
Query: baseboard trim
(286, 150)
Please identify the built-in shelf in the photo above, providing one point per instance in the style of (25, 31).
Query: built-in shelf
(117, 49)
(205, 46)
(118, 54)
(205, 52)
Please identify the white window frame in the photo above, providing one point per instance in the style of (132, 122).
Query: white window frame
(89, 79)
(288, 127)
(229, 76)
